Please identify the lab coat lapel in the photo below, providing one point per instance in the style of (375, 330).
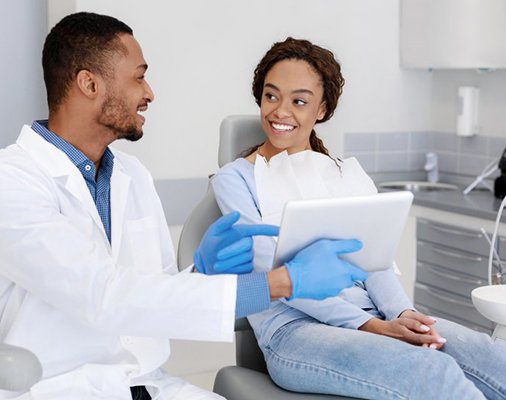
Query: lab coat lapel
(120, 184)
(59, 166)
(76, 185)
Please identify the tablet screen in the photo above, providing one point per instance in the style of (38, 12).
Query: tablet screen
(376, 220)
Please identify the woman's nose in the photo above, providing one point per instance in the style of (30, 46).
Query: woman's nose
(283, 110)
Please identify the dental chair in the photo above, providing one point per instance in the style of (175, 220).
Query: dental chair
(248, 380)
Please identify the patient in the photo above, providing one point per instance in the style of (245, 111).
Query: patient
(369, 342)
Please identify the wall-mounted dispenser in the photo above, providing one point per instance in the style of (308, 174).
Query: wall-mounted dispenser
(467, 114)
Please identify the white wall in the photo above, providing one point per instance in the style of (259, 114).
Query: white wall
(492, 107)
(23, 27)
(202, 55)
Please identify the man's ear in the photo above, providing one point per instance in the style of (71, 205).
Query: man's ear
(87, 83)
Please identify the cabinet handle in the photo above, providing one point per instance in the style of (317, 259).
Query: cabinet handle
(448, 299)
(456, 232)
(457, 255)
(453, 277)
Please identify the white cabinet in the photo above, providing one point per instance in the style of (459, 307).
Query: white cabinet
(444, 256)
(406, 257)
(453, 34)
(451, 262)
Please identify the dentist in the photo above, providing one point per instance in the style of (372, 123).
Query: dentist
(88, 279)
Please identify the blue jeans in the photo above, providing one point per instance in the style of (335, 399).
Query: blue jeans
(308, 356)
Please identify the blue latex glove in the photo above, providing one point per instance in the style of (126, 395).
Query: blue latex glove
(227, 248)
(317, 272)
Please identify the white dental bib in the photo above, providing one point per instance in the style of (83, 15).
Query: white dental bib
(305, 175)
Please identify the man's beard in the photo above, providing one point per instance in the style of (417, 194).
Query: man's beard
(116, 116)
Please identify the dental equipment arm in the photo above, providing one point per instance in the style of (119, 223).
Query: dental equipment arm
(492, 242)
(485, 173)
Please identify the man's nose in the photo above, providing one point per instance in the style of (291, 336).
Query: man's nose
(150, 96)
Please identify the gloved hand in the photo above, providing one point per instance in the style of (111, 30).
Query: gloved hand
(227, 248)
(317, 272)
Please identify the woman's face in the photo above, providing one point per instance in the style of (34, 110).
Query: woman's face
(291, 104)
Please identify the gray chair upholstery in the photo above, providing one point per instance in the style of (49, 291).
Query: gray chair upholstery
(203, 215)
(248, 380)
(238, 133)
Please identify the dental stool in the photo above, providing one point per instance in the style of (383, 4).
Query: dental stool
(248, 380)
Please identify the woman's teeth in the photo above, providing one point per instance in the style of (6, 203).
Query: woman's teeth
(282, 127)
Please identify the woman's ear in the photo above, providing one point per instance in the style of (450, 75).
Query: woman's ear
(87, 83)
(322, 110)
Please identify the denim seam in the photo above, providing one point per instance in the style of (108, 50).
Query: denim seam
(337, 374)
(482, 378)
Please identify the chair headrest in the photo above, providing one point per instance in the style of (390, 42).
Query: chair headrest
(238, 133)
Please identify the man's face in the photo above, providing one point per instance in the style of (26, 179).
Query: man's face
(127, 93)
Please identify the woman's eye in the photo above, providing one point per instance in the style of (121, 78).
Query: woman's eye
(270, 97)
(300, 102)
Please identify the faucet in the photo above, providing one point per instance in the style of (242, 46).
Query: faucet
(431, 167)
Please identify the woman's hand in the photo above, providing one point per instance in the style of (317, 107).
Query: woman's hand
(411, 327)
(427, 321)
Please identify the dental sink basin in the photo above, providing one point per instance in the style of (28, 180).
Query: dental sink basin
(417, 186)
(490, 301)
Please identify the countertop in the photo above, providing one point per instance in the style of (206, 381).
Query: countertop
(480, 203)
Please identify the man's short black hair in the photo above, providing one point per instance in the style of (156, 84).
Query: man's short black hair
(80, 41)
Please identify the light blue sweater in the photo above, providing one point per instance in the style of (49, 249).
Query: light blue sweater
(380, 296)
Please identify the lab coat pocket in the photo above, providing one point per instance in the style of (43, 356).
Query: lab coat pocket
(144, 240)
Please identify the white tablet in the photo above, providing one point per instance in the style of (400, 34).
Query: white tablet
(377, 221)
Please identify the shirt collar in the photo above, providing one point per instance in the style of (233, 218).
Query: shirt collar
(76, 156)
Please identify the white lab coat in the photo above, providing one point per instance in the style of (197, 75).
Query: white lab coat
(97, 315)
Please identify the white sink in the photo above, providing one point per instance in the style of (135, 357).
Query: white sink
(490, 301)
(417, 186)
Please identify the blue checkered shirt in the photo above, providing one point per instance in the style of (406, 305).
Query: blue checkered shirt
(99, 184)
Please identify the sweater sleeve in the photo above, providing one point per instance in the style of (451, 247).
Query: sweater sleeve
(386, 292)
